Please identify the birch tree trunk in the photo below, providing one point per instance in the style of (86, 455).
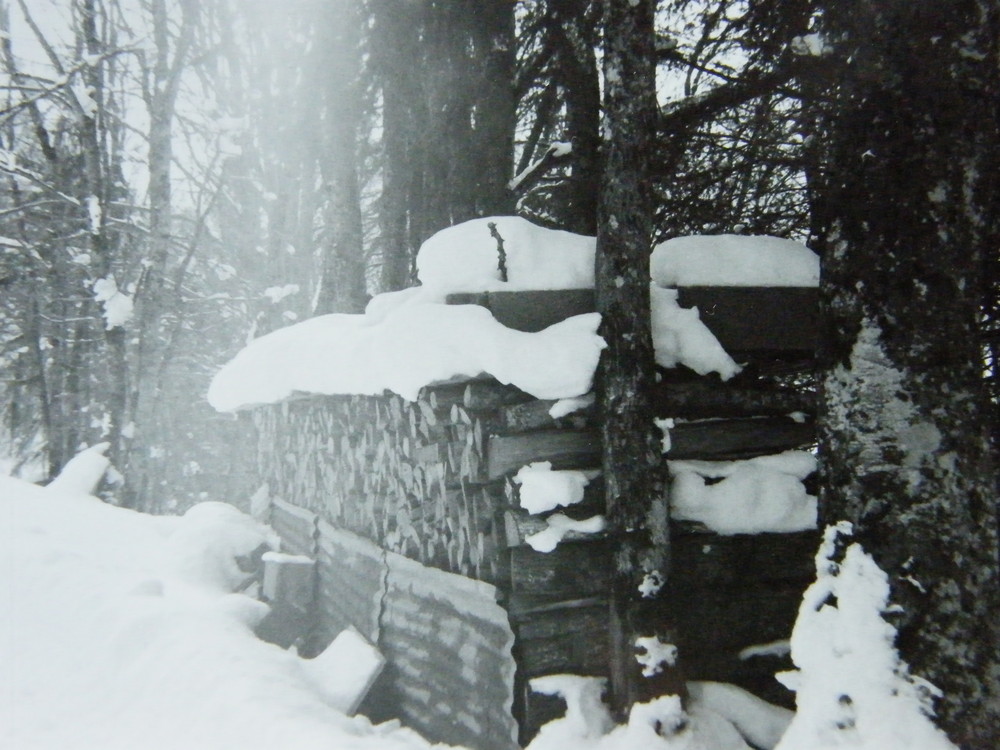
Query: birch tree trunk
(910, 216)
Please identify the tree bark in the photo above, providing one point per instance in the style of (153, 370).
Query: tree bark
(342, 288)
(903, 438)
(635, 502)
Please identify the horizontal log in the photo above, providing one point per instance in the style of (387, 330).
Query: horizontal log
(744, 319)
(705, 399)
(564, 640)
(755, 319)
(566, 449)
(710, 439)
(738, 438)
(704, 561)
(573, 570)
(530, 310)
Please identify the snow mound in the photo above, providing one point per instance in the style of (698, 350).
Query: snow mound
(679, 337)
(104, 646)
(83, 472)
(412, 346)
(661, 724)
(733, 260)
(464, 258)
(543, 489)
(852, 689)
(757, 495)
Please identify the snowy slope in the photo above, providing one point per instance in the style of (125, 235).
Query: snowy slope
(118, 632)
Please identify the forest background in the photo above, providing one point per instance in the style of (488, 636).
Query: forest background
(179, 176)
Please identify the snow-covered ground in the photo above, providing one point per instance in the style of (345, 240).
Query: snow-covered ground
(120, 631)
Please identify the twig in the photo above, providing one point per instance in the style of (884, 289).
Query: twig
(502, 263)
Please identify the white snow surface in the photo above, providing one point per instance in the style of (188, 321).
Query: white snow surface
(119, 631)
(680, 338)
(733, 260)
(558, 526)
(83, 472)
(118, 306)
(852, 689)
(587, 724)
(756, 495)
(463, 258)
(412, 346)
(542, 489)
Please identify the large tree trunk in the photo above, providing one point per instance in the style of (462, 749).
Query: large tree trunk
(903, 438)
(342, 289)
(571, 24)
(635, 503)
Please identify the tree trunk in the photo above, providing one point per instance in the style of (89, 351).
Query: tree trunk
(635, 502)
(342, 288)
(903, 437)
(571, 23)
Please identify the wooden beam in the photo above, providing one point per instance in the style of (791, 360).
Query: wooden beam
(566, 449)
(704, 398)
(758, 319)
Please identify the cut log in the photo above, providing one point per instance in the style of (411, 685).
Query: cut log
(721, 439)
(573, 570)
(758, 319)
(702, 399)
(712, 562)
(566, 449)
(530, 310)
(711, 439)
(564, 640)
(744, 319)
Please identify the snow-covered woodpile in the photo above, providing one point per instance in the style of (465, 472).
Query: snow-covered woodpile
(458, 431)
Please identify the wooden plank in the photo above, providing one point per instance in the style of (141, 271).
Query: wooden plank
(711, 562)
(530, 310)
(708, 398)
(566, 449)
(490, 394)
(744, 319)
(573, 570)
(738, 438)
(564, 641)
(754, 319)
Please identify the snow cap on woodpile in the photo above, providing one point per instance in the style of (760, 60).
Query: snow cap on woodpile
(408, 339)
(463, 258)
(733, 260)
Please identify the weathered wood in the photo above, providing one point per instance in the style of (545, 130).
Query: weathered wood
(566, 449)
(534, 415)
(704, 561)
(708, 398)
(572, 570)
(530, 310)
(710, 439)
(744, 319)
(564, 641)
(755, 319)
(489, 394)
(738, 438)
